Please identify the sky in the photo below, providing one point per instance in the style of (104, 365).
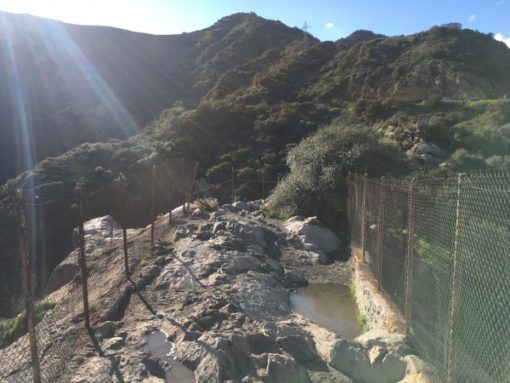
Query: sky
(328, 19)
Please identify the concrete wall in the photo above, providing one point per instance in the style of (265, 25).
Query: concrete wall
(380, 311)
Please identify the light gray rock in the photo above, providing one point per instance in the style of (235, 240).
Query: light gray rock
(251, 294)
(352, 359)
(284, 369)
(219, 226)
(300, 347)
(180, 233)
(415, 365)
(243, 263)
(114, 343)
(97, 227)
(97, 233)
(314, 236)
(394, 342)
(240, 206)
(199, 214)
(426, 148)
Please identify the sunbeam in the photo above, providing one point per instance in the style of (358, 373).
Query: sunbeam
(58, 36)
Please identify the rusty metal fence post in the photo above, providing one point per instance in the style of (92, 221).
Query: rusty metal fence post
(27, 283)
(232, 184)
(122, 193)
(83, 262)
(452, 346)
(169, 190)
(192, 186)
(363, 216)
(409, 256)
(263, 181)
(349, 203)
(153, 204)
(380, 232)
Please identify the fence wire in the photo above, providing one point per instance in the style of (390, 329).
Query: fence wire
(59, 330)
(440, 249)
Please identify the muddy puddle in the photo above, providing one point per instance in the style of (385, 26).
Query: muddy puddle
(329, 305)
(161, 348)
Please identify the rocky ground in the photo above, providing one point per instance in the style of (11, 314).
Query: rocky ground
(217, 284)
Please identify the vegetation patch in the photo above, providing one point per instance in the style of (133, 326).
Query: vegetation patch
(94, 257)
(13, 328)
(209, 205)
(363, 322)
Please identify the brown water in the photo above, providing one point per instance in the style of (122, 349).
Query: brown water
(161, 348)
(329, 305)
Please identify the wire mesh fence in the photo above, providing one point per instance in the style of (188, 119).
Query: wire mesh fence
(87, 298)
(440, 249)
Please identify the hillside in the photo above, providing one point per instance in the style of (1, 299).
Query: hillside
(69, 84)
(242, 93)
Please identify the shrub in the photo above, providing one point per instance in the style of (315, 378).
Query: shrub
(319, 164)
(220, 172)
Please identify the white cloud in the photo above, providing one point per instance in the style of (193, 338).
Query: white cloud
(503, 38)
(471, 18)
(329, 25)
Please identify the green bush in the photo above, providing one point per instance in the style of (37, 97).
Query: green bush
(220, 172)
(319, 164)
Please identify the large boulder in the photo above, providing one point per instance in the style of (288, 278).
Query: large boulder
(97, 233)
(352, 359)
(96, 229)
(315, 237)
(62, 274)
(284, 369)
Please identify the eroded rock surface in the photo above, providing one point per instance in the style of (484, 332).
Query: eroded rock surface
(220, 292)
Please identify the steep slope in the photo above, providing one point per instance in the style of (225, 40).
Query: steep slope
(66, 84)
(251, 116)
(444, 62)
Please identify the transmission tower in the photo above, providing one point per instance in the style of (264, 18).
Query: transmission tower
(305, 28)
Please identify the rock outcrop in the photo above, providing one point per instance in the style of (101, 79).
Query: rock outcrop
(316, 238)
(220, 294)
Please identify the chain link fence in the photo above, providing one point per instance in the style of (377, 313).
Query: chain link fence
(88, 298)
(440, 248)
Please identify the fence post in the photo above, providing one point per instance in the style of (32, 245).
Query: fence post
(27, 283)
(409, 256)
(169, 190)
(182, 186)
(122, 193)
(349, 202)
(192, 186)
(232, 186)
(263, 180)
(153, 203)
(363, 216)
(455, 288)
(380, 236)
(83, 262)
